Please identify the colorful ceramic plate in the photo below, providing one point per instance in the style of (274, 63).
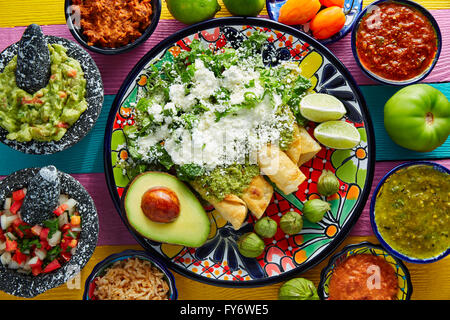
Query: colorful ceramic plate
(404, 279)
(28, 286)
(351, 9)
(94, 98)
(218, 261)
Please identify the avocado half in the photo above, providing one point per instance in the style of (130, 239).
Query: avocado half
(190, 229)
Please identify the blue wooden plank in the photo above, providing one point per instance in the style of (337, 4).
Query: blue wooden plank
(376, 96)
(87, 155)
(84, 157)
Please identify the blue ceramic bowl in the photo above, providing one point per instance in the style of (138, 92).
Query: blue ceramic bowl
(379, 79)
(391, 250)
(404, 280)
(102, 266)
(351, 8)
(77, 32)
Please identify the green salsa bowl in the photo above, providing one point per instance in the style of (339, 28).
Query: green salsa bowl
(411, 194)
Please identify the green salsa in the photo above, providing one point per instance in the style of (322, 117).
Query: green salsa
(412, 211)
(48, 113)
(223, 181)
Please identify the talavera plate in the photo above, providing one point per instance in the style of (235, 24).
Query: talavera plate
(218, 260)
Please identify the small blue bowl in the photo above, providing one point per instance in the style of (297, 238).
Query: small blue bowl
(405, 287)
(351, 8)
(391, 250)
(102, 266)
(379, 79)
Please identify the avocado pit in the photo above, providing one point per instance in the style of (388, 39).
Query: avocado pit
(160, 204)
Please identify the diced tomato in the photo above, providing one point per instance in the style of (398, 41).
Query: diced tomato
(65, 227)
(17, 222)
(44, 234)
(36, 270)
(15, 206)
(72, 73)
(60, 210)
(53, 76)
(62, 94)
(11, 245)
(73, 243)
(52, 266)
(75, 220)
(36, 230)
(62, 125)
(37, 264)
(2, 235)
(44, 244)
(66, 256)
(18, 195)
(19, 257)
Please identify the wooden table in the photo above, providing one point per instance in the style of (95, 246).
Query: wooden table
(85, 162)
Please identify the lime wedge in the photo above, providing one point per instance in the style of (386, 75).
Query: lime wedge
(321, 107)
(337, 134)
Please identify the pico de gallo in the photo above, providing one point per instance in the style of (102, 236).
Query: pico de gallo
(36, 249)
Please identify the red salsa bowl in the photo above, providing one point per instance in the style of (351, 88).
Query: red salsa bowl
(396, 42)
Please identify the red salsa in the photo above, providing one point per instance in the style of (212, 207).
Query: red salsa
(396, 41)
(363, 277)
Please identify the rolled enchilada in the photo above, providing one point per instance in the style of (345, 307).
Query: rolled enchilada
(280, 169)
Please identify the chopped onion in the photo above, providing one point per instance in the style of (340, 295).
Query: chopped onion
(10, 236)
(2, 246)
(73, 250)
(63, 198)
(7, 204)
(40, 253)
(63, 219)
(33, 260)
(76, 229)
(55, 239)
(13, 264)
(71, 203)
(6, 221)
(5, 258)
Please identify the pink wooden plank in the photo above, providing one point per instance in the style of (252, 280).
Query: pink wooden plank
(114, 232)
(114, 69)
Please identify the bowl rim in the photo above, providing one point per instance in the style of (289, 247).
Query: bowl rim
(156, 14)
(126, 254)
(372, 212)
(334, 257)
(419, 77)
(330, 40)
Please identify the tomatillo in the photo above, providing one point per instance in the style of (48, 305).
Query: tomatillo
(417, 117)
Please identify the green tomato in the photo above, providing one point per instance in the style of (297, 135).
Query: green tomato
(417, 117)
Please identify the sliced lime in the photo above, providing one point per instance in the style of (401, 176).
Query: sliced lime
(320, 107)
(337, 134)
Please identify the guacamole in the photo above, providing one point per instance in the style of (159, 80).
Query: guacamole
(412, 211)
(47, 114)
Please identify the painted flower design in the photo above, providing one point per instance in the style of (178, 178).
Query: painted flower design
(351, 164)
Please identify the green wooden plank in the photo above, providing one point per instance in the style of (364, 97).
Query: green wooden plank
(87, 155)
(376, 96)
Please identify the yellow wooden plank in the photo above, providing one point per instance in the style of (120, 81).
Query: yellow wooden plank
(43, 12)
(430, 281)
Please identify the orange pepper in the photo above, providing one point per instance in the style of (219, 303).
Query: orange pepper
(75, 220)
(327, 22)
(331, 3)
(295, 12)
